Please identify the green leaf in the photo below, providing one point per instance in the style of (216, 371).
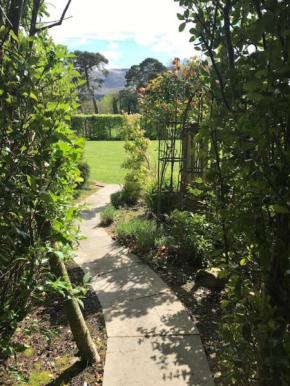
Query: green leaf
(46, 197)
(252, 86)
(224, 303)
(59, 254)
(63, 137)
(80, 302)
(261, 73)
(217, 252)
(12, 34)
(33, 96)
(86, 278)
(181, 27)
(255, 96)
(243, 262)
(70, 214)
(31, 181)
(280, 209)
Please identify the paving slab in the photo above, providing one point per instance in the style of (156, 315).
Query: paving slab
(107, 262)
(161, 314)
(156, 361)
(137, 281)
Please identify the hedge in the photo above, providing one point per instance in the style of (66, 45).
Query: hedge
(99, 127)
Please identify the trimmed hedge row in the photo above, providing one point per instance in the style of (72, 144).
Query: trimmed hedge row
(99, 127)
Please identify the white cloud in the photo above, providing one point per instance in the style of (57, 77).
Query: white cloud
(112, 56)
(147, 22)
(112, 65)
(112, 46)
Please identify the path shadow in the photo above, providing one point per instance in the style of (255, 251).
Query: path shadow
(89, 214)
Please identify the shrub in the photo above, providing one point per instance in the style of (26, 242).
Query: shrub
(190, 236)
(39, 159)
(108, 215)
(143, 232)
(128, 196)
(84, 168)
(167, 201)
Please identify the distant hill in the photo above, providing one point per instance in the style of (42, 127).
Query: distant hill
(114, 82)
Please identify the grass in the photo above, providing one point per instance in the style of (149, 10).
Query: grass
(106, 157)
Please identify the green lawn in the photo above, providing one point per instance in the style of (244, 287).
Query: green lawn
(106, 157)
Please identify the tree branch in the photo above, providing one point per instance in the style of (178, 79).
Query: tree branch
(56, 23)
(231, 53)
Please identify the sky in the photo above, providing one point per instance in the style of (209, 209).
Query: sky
(125, 31)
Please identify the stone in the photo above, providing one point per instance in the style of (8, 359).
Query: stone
(209, 278)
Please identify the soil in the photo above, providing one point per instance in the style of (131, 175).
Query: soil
(53, 360)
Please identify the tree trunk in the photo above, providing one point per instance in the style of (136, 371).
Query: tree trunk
(81, 334)
(14, 15)
(95, 102)
(115, 105)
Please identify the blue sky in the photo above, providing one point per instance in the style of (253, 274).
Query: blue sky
(124, 31)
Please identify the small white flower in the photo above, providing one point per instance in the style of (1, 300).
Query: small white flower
(46, 164)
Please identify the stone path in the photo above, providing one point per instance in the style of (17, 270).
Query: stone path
(151, 339)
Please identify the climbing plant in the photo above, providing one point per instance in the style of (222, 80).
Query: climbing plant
(247, 46)
(172, 105)
(136, 163)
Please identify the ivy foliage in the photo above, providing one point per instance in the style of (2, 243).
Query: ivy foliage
(39, 155)
(246, 122)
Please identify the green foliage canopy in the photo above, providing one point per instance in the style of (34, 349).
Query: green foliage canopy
(38, 167)
(140, 75)
(247, 125)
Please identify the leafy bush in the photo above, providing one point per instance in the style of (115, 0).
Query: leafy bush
(84, 168)
(151, 195)
(108, 215)
(122, 198)
(38, 167)
(141, 231)
(190, 236)
(128, 196)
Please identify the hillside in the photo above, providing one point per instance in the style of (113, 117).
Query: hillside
(114, 82)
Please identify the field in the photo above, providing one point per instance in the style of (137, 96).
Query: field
(106, 157)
